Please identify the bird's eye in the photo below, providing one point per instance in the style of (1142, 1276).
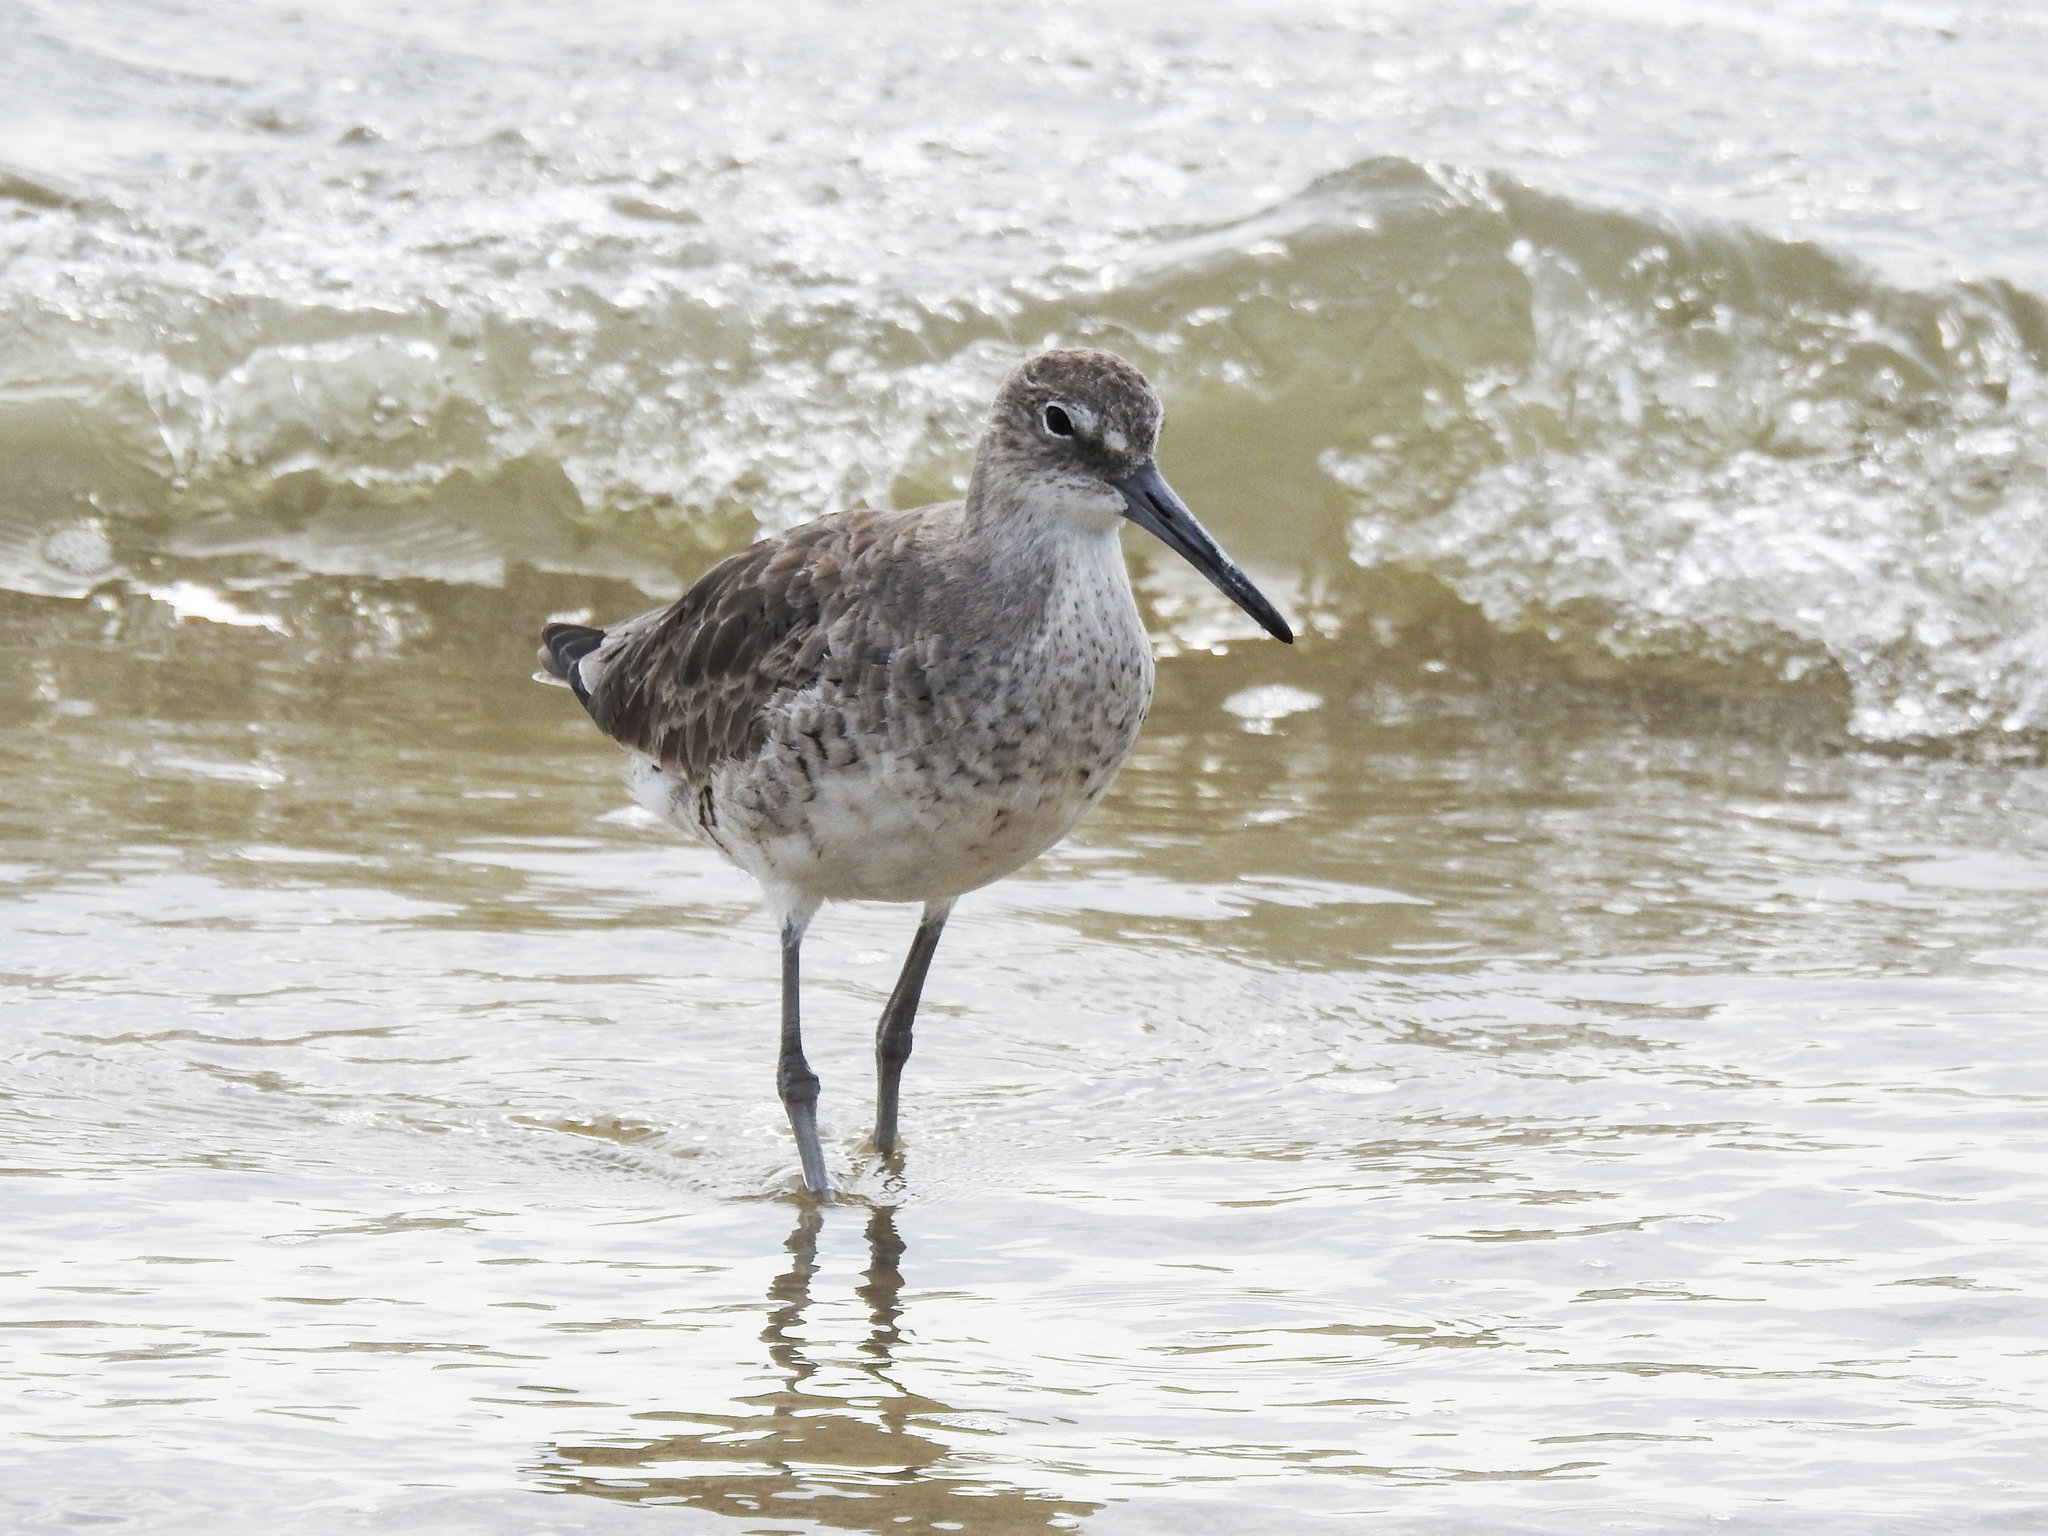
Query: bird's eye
(1058, 422)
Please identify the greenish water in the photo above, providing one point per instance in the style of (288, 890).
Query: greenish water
(1558, 1050)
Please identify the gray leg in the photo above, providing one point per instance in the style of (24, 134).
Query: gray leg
(794, 1079)
(892, 1036)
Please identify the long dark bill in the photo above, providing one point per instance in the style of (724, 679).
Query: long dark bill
(1150, 503)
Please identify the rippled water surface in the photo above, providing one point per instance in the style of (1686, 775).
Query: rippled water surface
(1560, 1049)
(1429, 1118)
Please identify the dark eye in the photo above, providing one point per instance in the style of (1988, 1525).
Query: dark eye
(1058, 422)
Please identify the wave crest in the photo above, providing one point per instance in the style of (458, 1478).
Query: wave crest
(1632, 442)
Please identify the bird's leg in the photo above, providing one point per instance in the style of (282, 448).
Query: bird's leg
(892, 1035)
(794, 1079)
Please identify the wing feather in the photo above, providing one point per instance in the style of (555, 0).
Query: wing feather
(691, 685)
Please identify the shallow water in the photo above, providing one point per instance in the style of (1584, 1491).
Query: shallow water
(1534, 1124)
(1557, 1050)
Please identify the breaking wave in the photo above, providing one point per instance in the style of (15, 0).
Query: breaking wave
(1417, 395)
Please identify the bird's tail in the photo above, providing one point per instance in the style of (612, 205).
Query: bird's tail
(562, 648)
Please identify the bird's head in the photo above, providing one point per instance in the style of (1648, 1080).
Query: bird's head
(1072, 437)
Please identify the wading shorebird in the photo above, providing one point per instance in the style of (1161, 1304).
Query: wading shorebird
(906, 706)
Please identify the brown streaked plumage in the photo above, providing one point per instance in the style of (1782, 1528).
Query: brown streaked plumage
(906, 705)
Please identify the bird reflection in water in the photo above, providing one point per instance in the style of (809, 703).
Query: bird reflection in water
(810, 1458)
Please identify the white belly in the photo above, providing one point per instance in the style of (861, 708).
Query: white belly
(885, 829)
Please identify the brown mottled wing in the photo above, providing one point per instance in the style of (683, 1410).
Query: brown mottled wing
(690, 686)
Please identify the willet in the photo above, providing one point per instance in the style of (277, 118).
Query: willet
(905, 706)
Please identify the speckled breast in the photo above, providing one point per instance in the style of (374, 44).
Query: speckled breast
(919, 769)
